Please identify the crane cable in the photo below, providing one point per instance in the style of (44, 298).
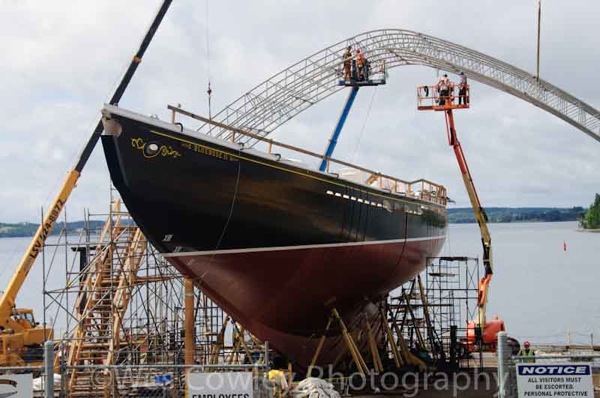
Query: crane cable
(362, 130)
(207, 66)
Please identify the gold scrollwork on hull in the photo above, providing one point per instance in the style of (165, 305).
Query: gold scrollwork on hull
(152, 150)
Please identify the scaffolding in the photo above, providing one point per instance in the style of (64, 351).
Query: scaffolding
(429, 315)
(452, 285)
(117, 302)
(120, 303)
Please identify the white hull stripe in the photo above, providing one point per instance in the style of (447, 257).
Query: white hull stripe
(304, 247)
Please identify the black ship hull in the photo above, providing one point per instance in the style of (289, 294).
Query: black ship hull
(276, 245)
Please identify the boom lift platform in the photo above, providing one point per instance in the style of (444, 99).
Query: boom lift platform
(367, 76)
(481, 332)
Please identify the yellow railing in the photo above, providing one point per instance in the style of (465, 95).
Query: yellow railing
(419, 189)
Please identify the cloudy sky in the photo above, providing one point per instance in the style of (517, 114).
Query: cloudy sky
(60, 60)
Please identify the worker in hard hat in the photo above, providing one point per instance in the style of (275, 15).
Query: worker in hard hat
(360, 64)
(443, 88)
(462, 90)
(278, 382)
(527, 352)
(347, 60)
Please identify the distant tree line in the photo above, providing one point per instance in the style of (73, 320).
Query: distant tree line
(591, 218)
(28, 229)
(517, 214)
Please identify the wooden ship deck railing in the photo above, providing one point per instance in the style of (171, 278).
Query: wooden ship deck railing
(421, 189)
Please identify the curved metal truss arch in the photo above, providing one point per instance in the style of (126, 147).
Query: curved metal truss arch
(293, 90)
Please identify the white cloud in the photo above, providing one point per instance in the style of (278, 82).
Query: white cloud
(60, 61)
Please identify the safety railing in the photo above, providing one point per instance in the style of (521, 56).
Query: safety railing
(419, 189)
(432, 97)
(369, 74)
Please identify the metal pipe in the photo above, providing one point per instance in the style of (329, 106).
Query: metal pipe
(267, 365)
(502, 363)
(453, 343)
(539, 20)
(564, 357)
(159, 366)
(49, 369)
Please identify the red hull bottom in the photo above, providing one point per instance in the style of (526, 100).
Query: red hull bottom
(285, 295)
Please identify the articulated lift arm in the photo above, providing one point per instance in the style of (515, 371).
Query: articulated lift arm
(480, 216)
(7, 301)
(354, 85)
(338, 128)
(480, 331)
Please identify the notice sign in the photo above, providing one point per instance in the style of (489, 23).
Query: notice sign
(555, 380)
(219, 385)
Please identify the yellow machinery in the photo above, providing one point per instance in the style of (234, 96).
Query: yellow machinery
(21, 337)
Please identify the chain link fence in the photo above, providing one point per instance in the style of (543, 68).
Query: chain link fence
(157, 380)
(252, 380)
(161, 380)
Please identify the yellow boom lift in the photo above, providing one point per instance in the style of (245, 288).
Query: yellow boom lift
(21, 337)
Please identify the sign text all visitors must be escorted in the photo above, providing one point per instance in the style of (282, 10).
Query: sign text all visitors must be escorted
(555, 380)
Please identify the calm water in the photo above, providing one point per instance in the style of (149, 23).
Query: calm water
(53, 261)
(540, 290)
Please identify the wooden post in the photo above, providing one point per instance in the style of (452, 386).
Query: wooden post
(190, 338)
(390, 338)
(354, 351)
(373, 347)
(313, 361)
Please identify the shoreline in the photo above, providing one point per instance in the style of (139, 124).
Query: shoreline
(594, 230)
